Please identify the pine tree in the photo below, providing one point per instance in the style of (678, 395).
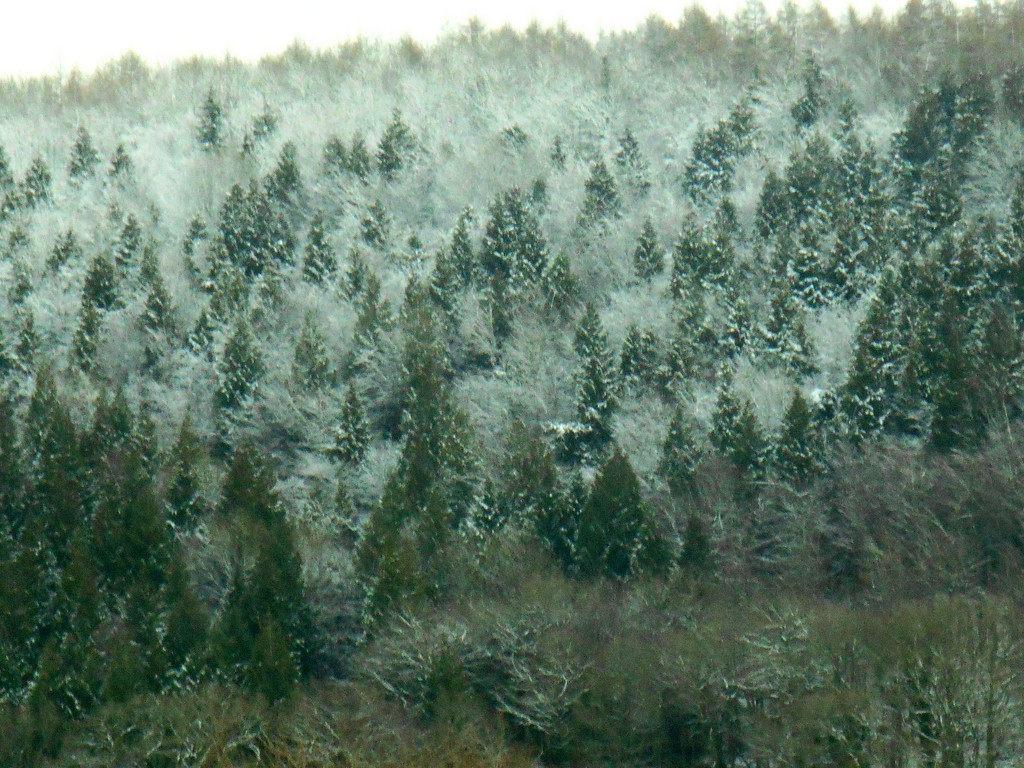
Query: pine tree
(596, 384)
(311, 366)
(128, 243)
(376, 226)
(373, 319)
(396, 148)
(21, 283)
(681, 457)
(86, 337)
(240, 368)
(320, 262)
(631, 164)
(514, 253)
(121, 165)
(639, 358)
(649, 257)
(561, 287)
(785, 334)
(6, 177)
(183, 491)
(798, 449)
(84, 157)
(602, 200)
(66, 249)
(285, 182)
(211, 124)
(351, 438)
(808, 107)
(100, 287)
(35, 188)
(615, 536)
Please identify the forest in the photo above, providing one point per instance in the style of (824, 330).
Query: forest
(521, 400)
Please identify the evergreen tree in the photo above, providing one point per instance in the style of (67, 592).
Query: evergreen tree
(240, 368)
(513, 254)
(121, 165)
(6, 177)
(639, 358)
(785, 334)
(84, 344)
(373, 319)
(285, 182)
(602, 196)
(558, 156)
(352, 436)
(311, 367)
(396, 148)
(798, 449)
(615, 536)
(35, 188)
(100, 287)
(211, 124)
(128, 243)
(648, 258)
(376, 226)
(320, 262)
(631, 164)
(560, 286)
(809, 106)
(681, 457)
(66, 249)
(183, 491)
(84, 157)
(596, 384)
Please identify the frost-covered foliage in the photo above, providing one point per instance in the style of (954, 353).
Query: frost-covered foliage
(645, 311)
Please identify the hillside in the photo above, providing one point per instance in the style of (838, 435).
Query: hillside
(520, 400)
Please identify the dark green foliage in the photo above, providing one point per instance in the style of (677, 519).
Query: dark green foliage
(320, 262)
(785, 333)
(798, 449)
(86, 339)
(373, 319)
(128, 243)
(596, 386)
(210, 132)
(84, 157)
(285, 182)
(35, 188)
(396, 148)
(639, 358)
(121, 166)
(21, 283)
(100, 287)
(601, 201)
(715, 151)
(514, 137)
(262, 127)
(558, 156)
(351, 438)
(66, 249)
(649, 257)
(311, 367)
(183, 492)
(681, 456)
(251, 237)
(240, 369)
(6, 176)
(513, 254)
(561, 287)
(807, 109)
(615, 537)
(631, 165)
(376, 226)
(737, 435)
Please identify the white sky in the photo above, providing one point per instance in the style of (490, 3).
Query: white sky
(45, 35)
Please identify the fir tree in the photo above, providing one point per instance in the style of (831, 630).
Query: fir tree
(681, 457)
(373, 319)
(798, 449)
(513, 254)
(602, 196)
(631, 164)
(561, 287)
(240, 368)
(648, 258)
(809, 106)
(121, 165)
(6, 177)
(84, 157)
(320, 262)
(596, 384)
(311, 366)
(66, 249)
(128, 243)
(210, 132)
(100, 287)
(285, 182)
(615, 537)
(35, 188)
(396, 147)
(639, 357)
(376, 226)
(183, 491)
(351, 438)
(86, 337)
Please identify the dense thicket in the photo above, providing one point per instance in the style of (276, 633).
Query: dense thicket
(520, 398)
